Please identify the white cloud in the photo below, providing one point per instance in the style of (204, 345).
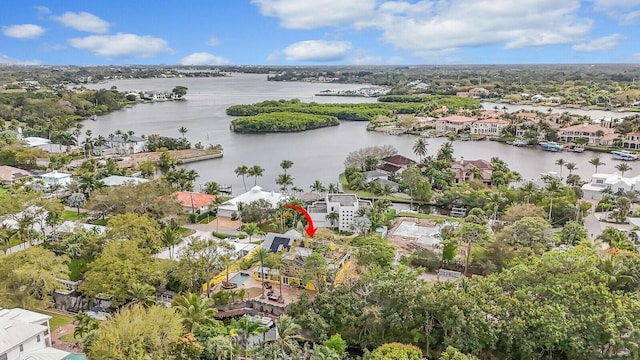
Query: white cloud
(24, 31)
(213, 41)
(602, 43)
(625, 11)
(83, 21)
(317, 50)
(312, 14)
(420, 26)
(4, 59)
(42, 10)
(122, 45)
(203, 58)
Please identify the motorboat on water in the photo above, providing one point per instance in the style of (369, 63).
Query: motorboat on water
(624, 155)
(551, 146)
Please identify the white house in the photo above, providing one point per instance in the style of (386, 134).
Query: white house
(25, 335)
(489, 127)
(345, 205)
(56, 178)
(129, 144)
(616, 183)
(117, 180)
(229, 207)
(588, 131)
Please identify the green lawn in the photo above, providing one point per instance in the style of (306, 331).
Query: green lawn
(72, 215)
(57, 320)
(4, 192)
(68, 338)
(102, 222)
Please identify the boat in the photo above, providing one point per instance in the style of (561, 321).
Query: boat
(519, 143)
(624, 155)
(577, 149)
(93, 117)
(551, 146)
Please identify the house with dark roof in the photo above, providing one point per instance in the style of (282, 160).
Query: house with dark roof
(295, 252)
(395, 164)
(463, 171)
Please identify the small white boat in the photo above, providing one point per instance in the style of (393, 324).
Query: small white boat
(519, 143)
(578, 149)
(93, 117)
(624, 155)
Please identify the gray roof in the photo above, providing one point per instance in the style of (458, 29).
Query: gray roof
(276, 242)
(374, 174)
(343, 199)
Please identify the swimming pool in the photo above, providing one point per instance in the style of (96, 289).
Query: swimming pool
(76, 357)
(239, 279)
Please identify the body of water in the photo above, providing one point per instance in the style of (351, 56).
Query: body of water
(317, 154)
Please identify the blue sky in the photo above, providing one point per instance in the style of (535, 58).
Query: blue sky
(288, 32)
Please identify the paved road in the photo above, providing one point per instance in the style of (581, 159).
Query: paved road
(595, 227)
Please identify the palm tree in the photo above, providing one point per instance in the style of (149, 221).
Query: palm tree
(445, 152)
(261, 256)
(245, 327)
(226, 261)
(284, 180)
(143, 294)
(183, 130)
(288, 336)
(623, 168)
(333, 217)
(528, 189)
(474, 173)
(212, 188)
(332, 188)
(90, 182)
(560, 162)
(285, 165)
(570, 166)
(494, 201)
(317, 187)
(251, 229)
(599, 135)
(170, 237)
(86, 326)
(195, 310)
(596, 162)
(420, 148)
(243, 171)
(255, 171)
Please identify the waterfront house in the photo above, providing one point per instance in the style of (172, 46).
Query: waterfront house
(117, 180)
(489, 127)
(9, 174)
(396, 161)
(194, 202)
(56, 178)
(374, 175)
(593, 132)
(613, 182)
(462, 170)
(344, 205)
(25, 335)
(230, 207)
(454, 123)
(129, 144)
(479, 92)
(631, 140)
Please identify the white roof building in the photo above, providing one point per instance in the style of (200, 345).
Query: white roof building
(71, 226)
(26, 335)
(33, 141)
(117, 180)
(255, 194)
(613, 182)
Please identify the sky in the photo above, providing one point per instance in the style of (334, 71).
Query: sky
(319, 32)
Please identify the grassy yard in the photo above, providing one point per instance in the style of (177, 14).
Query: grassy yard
(4, 192)
(57, 320)
(71, 215)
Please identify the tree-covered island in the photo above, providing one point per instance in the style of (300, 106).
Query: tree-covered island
(294, 115)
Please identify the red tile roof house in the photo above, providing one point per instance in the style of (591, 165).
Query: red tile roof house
(461, 170)
(194, 202)
(395, 164)
(589, 131)
(454, 123)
